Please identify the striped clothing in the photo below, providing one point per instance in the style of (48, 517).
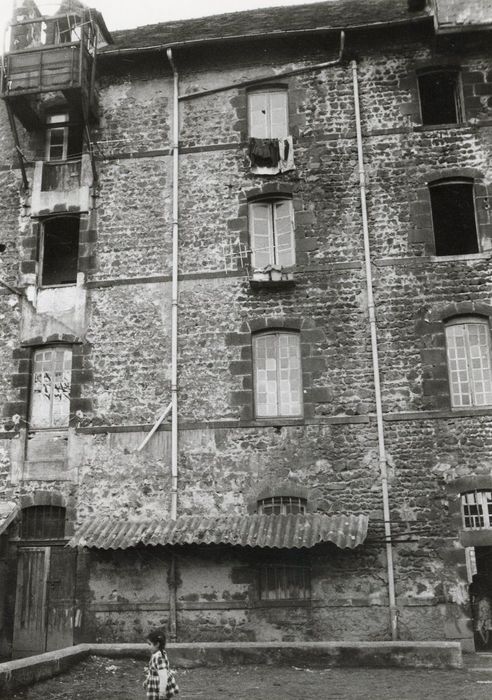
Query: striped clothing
(159, 662)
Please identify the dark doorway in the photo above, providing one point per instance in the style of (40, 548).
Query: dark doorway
(481, 599)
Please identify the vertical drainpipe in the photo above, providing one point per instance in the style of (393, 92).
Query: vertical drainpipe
(174, 346)
(375, 362)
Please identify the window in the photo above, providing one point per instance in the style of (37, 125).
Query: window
(57, 137)
(59, 251)
(63, 138)
(282, 505)
(476, 507)
(268, 114)
(43, 523)
(272, 233)
(468, 351)
(51, 385)
(453, 217)
(439, 97)
(284, 582)
(277, 373)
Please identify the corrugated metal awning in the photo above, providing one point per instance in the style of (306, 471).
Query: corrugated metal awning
(8, 511)
(277, 531)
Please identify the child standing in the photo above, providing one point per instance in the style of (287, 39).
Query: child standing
(160, 683)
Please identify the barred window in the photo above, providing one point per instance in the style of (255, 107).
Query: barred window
(469, 366)
(282, 505)
(285, 582)
(277, 374)
(43, 523)
(477, 509)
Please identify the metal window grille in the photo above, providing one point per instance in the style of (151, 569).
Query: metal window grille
(43, 523)
(285, 582)
(278, 378)
(477, 509)
(282, 505)
(469, 365)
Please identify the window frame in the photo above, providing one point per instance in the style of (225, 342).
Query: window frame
(481, 500)
(56, 122)
(36, 421)
(42, 251)
(277, 333)
(41, 514)
(457, 96)
(468, 182)
(273, 234)
(466, 321)
(269, 91)
(284, 503)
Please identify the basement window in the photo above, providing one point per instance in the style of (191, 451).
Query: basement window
(59, 251)
(43, 523)
(281, 581)
(440, 97)
(453, 217)
(282, 505)
(476, 507)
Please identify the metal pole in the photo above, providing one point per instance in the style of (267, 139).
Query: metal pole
(375, 361)
(174, 298)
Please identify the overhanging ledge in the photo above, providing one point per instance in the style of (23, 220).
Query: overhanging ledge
(274, 531)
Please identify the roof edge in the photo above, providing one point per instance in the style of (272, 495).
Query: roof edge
(270, 35)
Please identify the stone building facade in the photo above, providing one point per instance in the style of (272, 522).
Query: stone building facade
(198, 240)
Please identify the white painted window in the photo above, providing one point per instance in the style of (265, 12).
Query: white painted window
(268, 114)
(285, 582)
(56, 137)
(272, 233)
(277, 374)
(476, 507)
(282, 505)
(51, 384)
(469, 366)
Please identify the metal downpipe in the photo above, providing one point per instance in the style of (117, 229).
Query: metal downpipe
(375, 361)
(174, 343)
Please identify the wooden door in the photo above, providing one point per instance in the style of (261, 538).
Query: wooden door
(60, 598)
(30, 602)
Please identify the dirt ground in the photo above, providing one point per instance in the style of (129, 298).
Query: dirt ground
(121, 679)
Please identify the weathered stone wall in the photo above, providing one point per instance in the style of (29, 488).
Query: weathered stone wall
(226, 456)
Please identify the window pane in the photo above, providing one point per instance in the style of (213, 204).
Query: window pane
(50, 395)
(268, 114)
(261, 235)
(284, 248)
(469, 365)
(278, 380)
(258, 115)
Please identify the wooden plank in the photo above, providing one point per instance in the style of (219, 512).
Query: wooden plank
(61, 598)
(30, 602)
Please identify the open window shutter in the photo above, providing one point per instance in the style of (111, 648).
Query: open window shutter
(258, 115)
(284, 248)
(278, 115)
(261, 235)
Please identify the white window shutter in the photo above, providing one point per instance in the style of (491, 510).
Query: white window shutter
(284, 233)
(258, 115)
(261, 234)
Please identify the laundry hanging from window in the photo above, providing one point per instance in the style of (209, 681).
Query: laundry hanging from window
(271, 156)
